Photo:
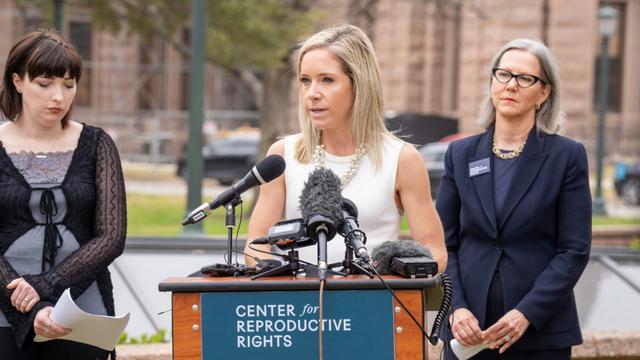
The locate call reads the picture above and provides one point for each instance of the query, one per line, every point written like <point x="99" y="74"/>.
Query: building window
<point x="151" y="58"/>
<point x="80" y="36"/>
<point x="616" y="54"/>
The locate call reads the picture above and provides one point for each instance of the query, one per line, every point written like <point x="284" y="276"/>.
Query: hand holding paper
<point x="465" y="352"/>
<point x="97" y="330"/>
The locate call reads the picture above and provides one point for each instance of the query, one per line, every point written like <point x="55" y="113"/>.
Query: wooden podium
<point x="196" y="297"/>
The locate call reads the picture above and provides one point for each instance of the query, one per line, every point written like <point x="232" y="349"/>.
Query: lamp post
<point x="607" y="22"/>
<point x="196" y="111"/>
<point x="58" y="14"/>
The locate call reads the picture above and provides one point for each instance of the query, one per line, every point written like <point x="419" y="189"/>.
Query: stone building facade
<point x="434" y="56"/>
<point x="136" y="89"/>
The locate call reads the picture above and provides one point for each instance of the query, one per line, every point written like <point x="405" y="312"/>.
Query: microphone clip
<point x="230" y="213"/>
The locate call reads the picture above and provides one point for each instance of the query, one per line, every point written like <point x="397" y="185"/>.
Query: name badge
<point x="479" y="167"/>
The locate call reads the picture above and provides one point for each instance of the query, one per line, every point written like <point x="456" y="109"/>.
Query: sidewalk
<point x="611" y="345"/>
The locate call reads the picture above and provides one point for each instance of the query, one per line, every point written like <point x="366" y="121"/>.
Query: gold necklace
<point x="356" y="159"/>
<point x="510" y="155"/>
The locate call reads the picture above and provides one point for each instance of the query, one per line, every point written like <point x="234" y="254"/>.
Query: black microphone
<point x="410" y="259"/>
<point x="404" y="257"/>
<point x="288" y="234"/>
<point x="264" y="171"/>
<point x="350" y="229"/>
<point x="321" y="208"/>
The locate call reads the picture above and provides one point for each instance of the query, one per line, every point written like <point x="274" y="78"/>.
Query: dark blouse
<point x="96" y="215"/>
<point x="503" y="175"/>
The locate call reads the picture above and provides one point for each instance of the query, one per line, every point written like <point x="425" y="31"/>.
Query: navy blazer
<point x="541" y="245"/>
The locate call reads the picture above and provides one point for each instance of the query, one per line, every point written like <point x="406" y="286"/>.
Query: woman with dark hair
<point x="62" y="202"/>
<point x="516" y="209"/>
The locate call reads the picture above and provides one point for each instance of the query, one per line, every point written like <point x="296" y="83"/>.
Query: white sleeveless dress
<point x="371" y="189"/>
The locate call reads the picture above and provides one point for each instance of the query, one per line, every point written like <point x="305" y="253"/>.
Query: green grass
<point x="161" y="216"/>
<point x="604" y="220"/>
<point x="596" y="220"/>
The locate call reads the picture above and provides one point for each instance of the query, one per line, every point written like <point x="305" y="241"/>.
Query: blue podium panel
<point x="276" y="325"/>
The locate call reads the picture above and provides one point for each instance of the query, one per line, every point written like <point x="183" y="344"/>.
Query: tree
<point x="250" y="39"/>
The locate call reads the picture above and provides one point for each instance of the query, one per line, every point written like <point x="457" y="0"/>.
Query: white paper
<point x="97" y="330"/>
<point x="465" y="352"/>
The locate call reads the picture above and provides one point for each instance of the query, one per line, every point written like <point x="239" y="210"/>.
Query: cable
<point x="238" y="231"/>
<point x="320" y="323"/>
<point x="227" y="256"/>
<point x="447" y="289"/>
<point x="447" y="297"/>
<point x="399" y="302"/>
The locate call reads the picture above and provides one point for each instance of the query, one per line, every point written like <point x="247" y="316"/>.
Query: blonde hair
<point x="549" y="119"/>
<point x="351" y="46"/>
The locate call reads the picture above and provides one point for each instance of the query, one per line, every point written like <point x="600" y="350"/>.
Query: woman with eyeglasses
<point x="516" y="209"/>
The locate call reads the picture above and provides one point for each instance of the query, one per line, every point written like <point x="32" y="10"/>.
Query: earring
<point x="537" y="107"/>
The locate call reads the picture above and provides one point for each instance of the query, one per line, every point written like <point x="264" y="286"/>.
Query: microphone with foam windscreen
<point x="407" y="258"/>
<point x="264" y="171"/>
<point x="321" y="208"/>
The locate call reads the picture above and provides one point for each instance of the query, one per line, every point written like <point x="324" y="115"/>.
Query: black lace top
<point x="96" y="215"/>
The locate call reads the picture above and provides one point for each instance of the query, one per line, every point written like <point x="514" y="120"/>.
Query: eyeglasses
<point x="523" y="80"/>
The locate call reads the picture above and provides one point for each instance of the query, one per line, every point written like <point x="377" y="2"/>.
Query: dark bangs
<point x="54" y="58"/>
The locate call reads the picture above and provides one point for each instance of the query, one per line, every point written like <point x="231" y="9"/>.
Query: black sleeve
<point x="110" y="227"/>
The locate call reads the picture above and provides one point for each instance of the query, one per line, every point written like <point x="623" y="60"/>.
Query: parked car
<point x="226" y="159"/>
<point x="433" y="156"/>
<point x="627" y="182"/>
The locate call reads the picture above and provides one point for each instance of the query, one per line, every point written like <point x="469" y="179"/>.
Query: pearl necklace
<point x="510" y="155"/>
<point x="356" y="159"/>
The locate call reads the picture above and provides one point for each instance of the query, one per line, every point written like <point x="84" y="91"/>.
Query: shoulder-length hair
<point x="549" y="119"/>
<point x="38" y="53"/>
<point x="351" y="46"/>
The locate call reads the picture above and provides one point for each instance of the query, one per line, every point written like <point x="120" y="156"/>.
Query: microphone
<point x="321" y="208"/>
<point x="266" y="170"/>
<point x="404" y="257"/>
<point x="288" y="234"/>
<point x="410" y="259"/>
<point x="351" y="231"/>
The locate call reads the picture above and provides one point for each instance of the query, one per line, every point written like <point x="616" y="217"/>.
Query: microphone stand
<point x="230" y="269"/>
<point x="322" y="229"/>
<point x="322" y="252"/>
<point x="292" y="267"/>
<point x="230" y="223"/>
<point x="351" y="266"/>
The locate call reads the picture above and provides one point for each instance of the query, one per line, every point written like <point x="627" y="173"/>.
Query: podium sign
<point x="275" y="325"/>
<point x="277" y="318"/>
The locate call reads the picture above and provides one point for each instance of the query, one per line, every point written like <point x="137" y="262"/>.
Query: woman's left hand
<point x="506" y="331"/>
<point x="45" y="327"/>
<point x="24" y="296"/>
